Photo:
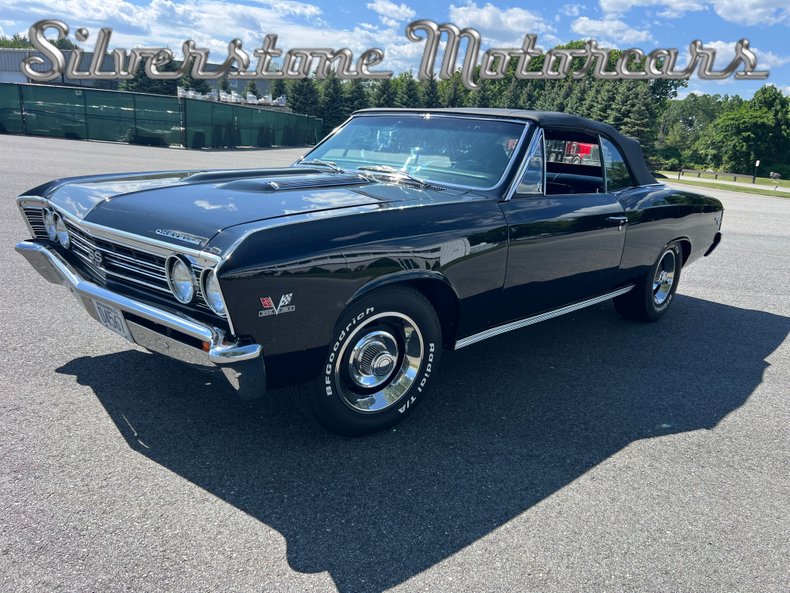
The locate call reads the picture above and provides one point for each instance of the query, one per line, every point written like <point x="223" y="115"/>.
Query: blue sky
<point x="361" y="24"/>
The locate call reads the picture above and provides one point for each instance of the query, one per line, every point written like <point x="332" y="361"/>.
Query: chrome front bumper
<point x="242" y="364"/>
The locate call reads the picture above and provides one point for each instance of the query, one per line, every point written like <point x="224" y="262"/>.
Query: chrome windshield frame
<point x="528" y="125"/>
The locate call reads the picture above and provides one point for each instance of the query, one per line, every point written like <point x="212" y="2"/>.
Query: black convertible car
<point x="403" y="233"/>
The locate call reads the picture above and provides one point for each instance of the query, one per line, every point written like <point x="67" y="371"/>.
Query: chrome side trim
<point x="56" y="270"/>
<point x="501" y="329"/>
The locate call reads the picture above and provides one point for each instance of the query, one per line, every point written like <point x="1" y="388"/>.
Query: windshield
<point x="440" y="149"/>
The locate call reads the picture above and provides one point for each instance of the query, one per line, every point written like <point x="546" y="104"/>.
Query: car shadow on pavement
<point x="509" y="422"/>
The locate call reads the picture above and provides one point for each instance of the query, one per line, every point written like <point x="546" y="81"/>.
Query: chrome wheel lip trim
<point x="663" y="280"/>
<point x="407" y="372"/>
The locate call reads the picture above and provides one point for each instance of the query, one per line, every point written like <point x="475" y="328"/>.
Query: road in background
<point x="587" y="453"/>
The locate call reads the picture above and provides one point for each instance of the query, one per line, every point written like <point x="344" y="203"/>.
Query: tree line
<point x="725" y="133"/>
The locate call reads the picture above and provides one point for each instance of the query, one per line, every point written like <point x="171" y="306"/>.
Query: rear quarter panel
<point x="658" y="214"/>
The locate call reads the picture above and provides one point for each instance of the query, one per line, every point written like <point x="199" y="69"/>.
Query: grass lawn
<point x="746" y="188"/>
<point x="741" y="180"/>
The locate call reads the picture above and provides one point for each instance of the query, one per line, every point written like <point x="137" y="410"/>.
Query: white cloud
<point x="743" y="12"/>
<point x="669" y="7"/>
<point x="391" y="11"/>
<point x="753" y="12"/>
<point x="725" y="52"/>
<point x="571" y="9"/>
<point x="612" y="29"/>
<point x="501" y="26"/>
<point x="213" y="23"/>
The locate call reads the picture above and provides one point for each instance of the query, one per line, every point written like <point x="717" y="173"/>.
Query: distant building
<point x="11" y="59"/>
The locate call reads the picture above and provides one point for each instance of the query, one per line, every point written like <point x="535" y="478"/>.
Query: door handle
<point x="620" y="220"/>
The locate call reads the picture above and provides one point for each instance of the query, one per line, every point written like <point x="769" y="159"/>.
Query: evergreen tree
<point x="430" y="92"/>
<point x="332" y="108"/>
<point x="604" y="100"/>
<point x="579" y="89"/>
<point x="278" y="88"/>
<point x="251" y="88"/>
<point x="356" y="96"/>
<point x="482" y="97"/>
<point x="224" y="84"/>
<point x="590" y="99"/>
<point x="303" y="96"/>
<point x="18" y="41"/>
<point x="637" y="119"/>
<point x="408" y="94"/>
<point x="619" y="106"/>
<point x="196" y="84"/>
<point x="140" y="83"/>
<point x="453" y="92"/>
<point x="384" y="94"/>
<point x="510" y="99"/>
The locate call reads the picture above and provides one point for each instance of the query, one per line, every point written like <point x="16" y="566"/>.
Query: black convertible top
<point x="552" y="119"/>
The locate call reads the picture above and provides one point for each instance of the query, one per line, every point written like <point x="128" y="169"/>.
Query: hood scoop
<point x="292" y="182"/>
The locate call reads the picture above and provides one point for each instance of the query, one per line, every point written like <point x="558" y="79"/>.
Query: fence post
<point x="182" y="103"/>
<point x="134" y="113"/>
<point x="22" y="109"/>
<point x="85" y="113"/>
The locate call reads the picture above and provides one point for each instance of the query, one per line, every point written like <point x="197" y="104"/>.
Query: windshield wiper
<point x="395" y="172"/>
<point x="321" y="163"/>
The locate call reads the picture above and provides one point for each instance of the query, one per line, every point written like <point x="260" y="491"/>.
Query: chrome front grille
<point x="112" y="261"/>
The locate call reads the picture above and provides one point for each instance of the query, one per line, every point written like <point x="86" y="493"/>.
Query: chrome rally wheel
<point x="384" y="350"/>
<point x="664" y="277"/>
<point x="379" y="362"/>
<point x="653" y="294"/>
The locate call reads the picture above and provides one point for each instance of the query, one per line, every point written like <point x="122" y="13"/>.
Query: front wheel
<point x="384" y="350"/>
<point x="650" y="299"/>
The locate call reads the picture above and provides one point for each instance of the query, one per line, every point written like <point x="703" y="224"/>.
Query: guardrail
<point x="94" y="114"/>
<point x="716" y="174"/>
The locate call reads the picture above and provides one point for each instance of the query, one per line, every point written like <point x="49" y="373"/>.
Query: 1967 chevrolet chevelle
<point x="403" y="233"/>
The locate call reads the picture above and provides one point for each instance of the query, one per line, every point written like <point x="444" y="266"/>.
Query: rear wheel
<point x="651" y="298"/>
<point x="383" y="352"/>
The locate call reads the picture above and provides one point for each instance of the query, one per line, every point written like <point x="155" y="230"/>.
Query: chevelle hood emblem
<point x="186" y="237"/>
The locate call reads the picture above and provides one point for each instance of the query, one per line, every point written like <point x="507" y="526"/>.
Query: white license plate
<point x="112" y="318"/>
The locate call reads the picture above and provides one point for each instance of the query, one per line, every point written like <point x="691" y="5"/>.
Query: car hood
<point x="189" y="207"/>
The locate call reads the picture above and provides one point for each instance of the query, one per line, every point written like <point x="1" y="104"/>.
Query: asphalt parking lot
<point x="587" y="453"/>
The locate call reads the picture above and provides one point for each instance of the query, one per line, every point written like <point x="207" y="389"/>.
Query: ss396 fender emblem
<point x="283" y="307"/>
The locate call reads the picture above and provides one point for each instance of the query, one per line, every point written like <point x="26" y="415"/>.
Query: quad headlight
<point x="49" y="224"/>
<point x="181" y="279"/>
<point x="62" y="232"/>
<point x="212" y="293"/>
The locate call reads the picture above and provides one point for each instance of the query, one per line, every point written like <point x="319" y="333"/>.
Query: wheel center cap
<point x="382" y="365"/>
<point x="373" y="359"/>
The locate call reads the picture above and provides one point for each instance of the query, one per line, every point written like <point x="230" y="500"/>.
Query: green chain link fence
<point x="93" y="114"/>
